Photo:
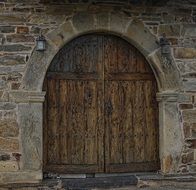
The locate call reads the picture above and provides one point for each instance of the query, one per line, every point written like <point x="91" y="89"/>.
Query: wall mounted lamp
<point x="40" y="43"/>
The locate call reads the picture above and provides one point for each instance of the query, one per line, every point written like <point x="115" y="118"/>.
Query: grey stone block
<point x="30" y="122"/>
<point x="7" y="29"/>
<point x="14" y="48"/>
<point x="12" y="59"/>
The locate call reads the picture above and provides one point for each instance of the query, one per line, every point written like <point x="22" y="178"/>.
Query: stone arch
<point x="30" y="96"/>
<point x="133" y="30"/>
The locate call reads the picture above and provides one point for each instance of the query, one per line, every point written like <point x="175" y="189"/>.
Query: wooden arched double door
<point x="100" y="112"/>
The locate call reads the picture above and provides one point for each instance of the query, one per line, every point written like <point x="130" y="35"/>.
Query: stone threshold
<point x="80" y="183"/>
<point x="101" y="181"/>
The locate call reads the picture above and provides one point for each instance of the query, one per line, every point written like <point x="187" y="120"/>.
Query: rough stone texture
<point x="22" y="70"/>
<point x="7" y="29"/>
<point x="8" y="128"/>
<point x="12" y="59"/>
<point x="8" y="166"/>
<point x="83" y="21"/>
<point x="15" y="38"/>
<point x="187" y="66"/>
<point x="30" y="121"/>
<point x="11" y="18"/>
<point x="189" y="84"/>
<point x="62" y="34"/>
<point x="171" y="135"/>
<point x="193" y="130"/>
<point x="20" y="177"/>
<point x="189" y="30"/>
<point x="135" y="30"/>
<point x="102" y="20"/>
<point x="37" y="67"/>
<point x="4" y="157"/>
<point x="119" y="22"/>
<point x="185" y="53"/>
<point x="169" y="30"/>
<point x="22" y="30"/>
<point x="187" y="130"/>
<point x="9" y="144"/>
<point x="189" y="116"/>
<point x="166" y="79"/>
<point x="14" y="48"/>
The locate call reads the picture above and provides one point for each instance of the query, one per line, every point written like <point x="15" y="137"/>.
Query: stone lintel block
<point x="20" y="177"/>
<point x="61" y="35"/>
<point x="141" y="37"/>
<point x="26" y="96"/>
<point x="8" y="166"/>
<point x="185" y="53"/>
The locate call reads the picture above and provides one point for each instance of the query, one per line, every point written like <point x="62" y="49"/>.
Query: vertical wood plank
<point x="53" y="122"/>
<point x="92" y="121"/>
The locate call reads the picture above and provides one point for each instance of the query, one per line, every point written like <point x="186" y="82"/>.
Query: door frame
<point x="29" y="98"/>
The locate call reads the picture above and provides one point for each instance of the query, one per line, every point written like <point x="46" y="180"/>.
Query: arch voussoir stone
<point x="141" y="37"/>
<point x="168" y="76"/>
<point x="83" y="22"/>
<point x="60" y="36"/>
<point x="36" y="69"/>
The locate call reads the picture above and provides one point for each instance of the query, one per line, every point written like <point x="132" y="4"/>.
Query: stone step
<point x="99" y="182"/>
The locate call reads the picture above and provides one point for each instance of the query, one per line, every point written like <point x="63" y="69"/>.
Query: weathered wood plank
<point x="100" y="108"/>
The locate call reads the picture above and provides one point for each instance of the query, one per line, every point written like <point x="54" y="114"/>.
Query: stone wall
<point x="22" y="21"/>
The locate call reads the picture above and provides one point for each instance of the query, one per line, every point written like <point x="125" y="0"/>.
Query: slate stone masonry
<point x="22" y="21"/>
